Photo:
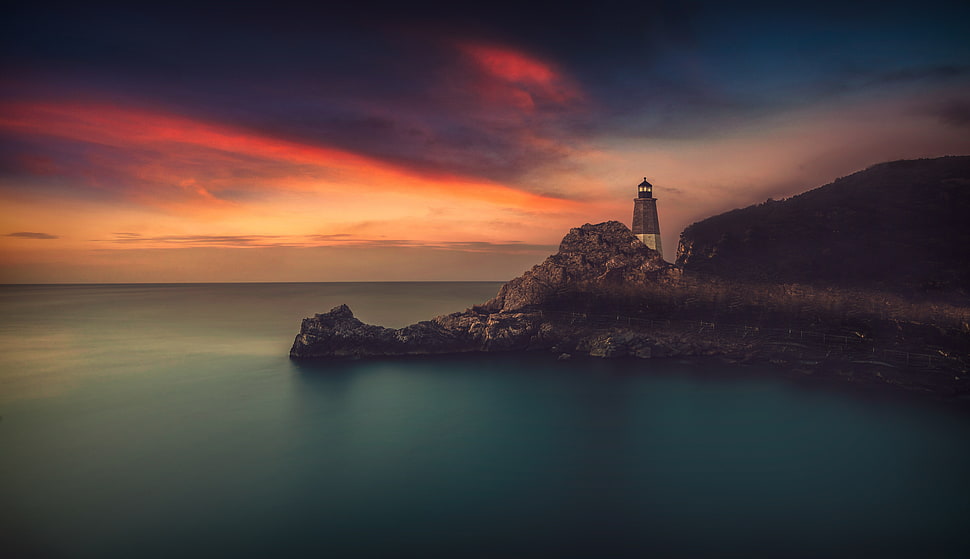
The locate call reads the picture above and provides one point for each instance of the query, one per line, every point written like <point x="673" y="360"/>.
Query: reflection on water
<point x="167" y="420"/>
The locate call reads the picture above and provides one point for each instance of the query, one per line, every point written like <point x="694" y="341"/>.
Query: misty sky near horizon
<point x="437" y="141"/>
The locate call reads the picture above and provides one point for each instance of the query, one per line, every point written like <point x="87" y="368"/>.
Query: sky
<point x="443" y="141"/>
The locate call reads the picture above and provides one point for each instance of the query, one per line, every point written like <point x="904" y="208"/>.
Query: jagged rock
<point x="591" y="257"/>
<point x="615" y="343"/>
<point x="339" y="334"/>
<point x="605" y="346"/>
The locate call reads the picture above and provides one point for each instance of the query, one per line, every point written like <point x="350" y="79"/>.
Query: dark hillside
<point x="902" y="226"/>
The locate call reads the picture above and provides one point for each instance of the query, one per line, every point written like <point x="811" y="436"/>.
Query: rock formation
<point x="542" y="310"/>
<point x="590" y="258"/>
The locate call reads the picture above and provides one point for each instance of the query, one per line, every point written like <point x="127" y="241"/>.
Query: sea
<point x="168" y="421"/>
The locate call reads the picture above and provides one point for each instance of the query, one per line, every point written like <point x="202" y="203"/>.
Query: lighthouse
<point x="646" y="226"/>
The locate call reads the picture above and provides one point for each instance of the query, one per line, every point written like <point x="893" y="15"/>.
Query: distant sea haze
<point x="168" y="421"/>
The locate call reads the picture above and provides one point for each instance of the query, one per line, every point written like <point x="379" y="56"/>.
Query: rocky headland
<point x="568" y="306"/>
<point x="591" y="258"/>
<point x="862" y="280"/>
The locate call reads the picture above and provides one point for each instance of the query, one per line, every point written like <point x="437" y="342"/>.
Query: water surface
<point x="167" y="420"/>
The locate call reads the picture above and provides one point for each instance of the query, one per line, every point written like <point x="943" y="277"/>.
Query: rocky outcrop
<point x="338" y="334"/>
<point x="590" y="258"/>
<point x="593" y="263"/>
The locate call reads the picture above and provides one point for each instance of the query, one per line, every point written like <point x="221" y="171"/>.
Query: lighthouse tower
<point x="646" y="226"/>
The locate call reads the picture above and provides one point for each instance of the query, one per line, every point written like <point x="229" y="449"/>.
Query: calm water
<point x="166" y="421"/>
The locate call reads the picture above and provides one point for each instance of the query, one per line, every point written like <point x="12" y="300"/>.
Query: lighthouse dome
<point x="645" y="189"/>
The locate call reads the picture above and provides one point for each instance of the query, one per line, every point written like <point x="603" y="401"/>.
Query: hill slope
<point x="902" y="226"/>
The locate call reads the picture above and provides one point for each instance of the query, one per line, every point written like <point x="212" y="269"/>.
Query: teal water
<point x="167" y="420"/>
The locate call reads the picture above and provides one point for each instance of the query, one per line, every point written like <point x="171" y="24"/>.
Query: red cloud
<point x="512" y="66"/>
<point x="523" y="78"/>
<point x="168" y="158"/>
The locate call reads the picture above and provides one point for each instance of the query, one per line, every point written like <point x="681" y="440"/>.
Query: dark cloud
<point x="196" y="240"/>
<point x="391" y="83"/>
<point x="954" y="113"/>
<point x="334" y="237"/>
<point x="927" y="73"/>
<point x="32" y="235"/>
<point x="510" y="247"/>
<point x="336" y="240"/>
<point x="472" y="246"/>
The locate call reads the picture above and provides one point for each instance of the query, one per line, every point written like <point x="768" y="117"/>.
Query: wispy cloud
<point x="164" y="159"/>
<point x="32" y="235"/>
<point x="919" y="74"/>
<point x="955" y="113"/>
<point x="323" y="240"/>
<point x="196" y="240"/>
<point x="463" y="246"/>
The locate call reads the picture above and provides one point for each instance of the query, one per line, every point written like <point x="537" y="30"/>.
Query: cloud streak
<point x="134" y="240"/>
<point x="32" y="235"/>
<point x="167" y="159"/>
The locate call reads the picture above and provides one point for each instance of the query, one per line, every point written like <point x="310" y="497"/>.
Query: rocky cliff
<point x="899" y="226"/>
<point x="591" y="258"/>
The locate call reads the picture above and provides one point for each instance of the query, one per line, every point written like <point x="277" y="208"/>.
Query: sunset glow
<point x="432" y="146"/>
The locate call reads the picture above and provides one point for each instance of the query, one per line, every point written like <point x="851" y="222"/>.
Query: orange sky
<point x="125" y="189"/>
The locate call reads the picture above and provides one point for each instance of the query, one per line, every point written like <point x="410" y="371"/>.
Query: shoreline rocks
<point x="338" y="334"/>
<point x="592" y="257"/>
